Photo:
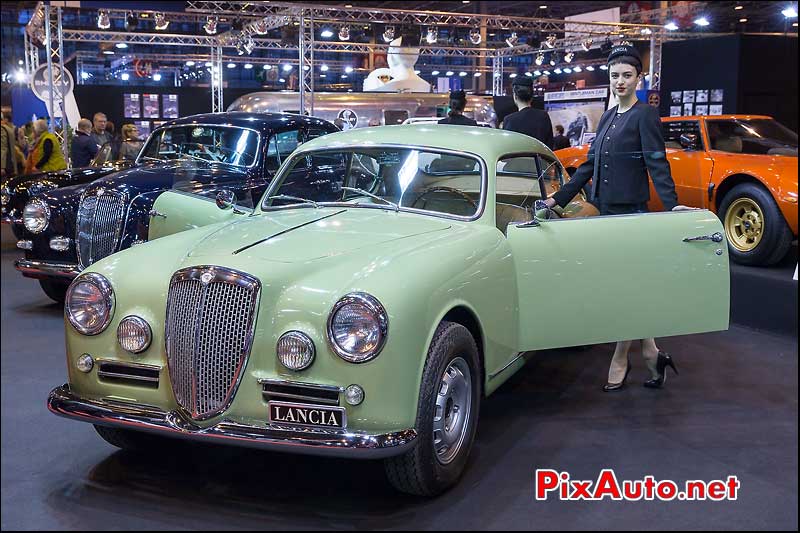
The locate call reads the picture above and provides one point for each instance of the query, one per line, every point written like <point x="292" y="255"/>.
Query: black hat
<point x="625" y="50"/>
<point x="458" y="95"/>
<point x="523" y="81"/>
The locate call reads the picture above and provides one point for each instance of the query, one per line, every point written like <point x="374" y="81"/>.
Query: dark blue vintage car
<point x="236" y="154"/>
<point x="17" y="190"/>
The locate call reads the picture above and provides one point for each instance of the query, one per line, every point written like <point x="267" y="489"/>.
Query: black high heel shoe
<point x="608" y="387"/>
<point x="664" y="361"/>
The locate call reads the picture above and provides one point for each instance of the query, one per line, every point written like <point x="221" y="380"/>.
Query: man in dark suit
<point x="530" y="121"/>
<point x="560" y="141"/>
<point x="83" y="148"/>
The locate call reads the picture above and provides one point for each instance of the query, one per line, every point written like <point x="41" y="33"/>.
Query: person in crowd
<point x="8" y="141"/>
<point x="458" y="101"/>
<point x="45" y="154"/>
<point x="83" y="148"/>
<point x="131" y="143"/>
<point x="629" y="145"/>
<point x="530" y="121"/>
<point x="99" y="133"/>
<point x="560" y="141"/>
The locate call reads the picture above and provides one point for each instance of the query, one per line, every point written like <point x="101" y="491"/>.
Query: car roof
<point x="488" y="143"/>
<point x="716" y="117"/>
<point x="251" y="120"/>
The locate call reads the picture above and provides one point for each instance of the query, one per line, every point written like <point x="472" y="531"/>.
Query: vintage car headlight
<point x="5" y="195"/>
<point x="357" y="327"/>
<point x="134" y="334"/>
<point x="36" y="215"/>
<point x="90" y="303"/>
<point x="295" y="350"/>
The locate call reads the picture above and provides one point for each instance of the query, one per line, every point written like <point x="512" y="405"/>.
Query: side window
<point x="314" y="132"/>
<point x="674" y="130"/>
<point x="280" y="146"/>
<point x="518" y="186"/>
<point x="725" y="136"/>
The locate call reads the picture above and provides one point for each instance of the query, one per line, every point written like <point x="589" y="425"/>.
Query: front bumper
<point x="47" y="269"/>
<point x="65" y="403"/>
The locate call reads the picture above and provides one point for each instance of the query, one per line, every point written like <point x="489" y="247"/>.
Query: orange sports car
<point x="742" y="167"/>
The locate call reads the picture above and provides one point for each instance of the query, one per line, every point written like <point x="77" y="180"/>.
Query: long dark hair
<point x="457" y="105"/>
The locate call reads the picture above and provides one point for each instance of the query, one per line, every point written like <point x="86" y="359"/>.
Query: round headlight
<point x="90" y="303"/>
<point x="357" y="327"/>
<point x="295" y="350"/>
<point x="5" y="195"/>
<point x="36" y="215"/>
<point x="133" y="334"/>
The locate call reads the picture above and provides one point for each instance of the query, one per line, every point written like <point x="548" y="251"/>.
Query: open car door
<point x="610" y="278"/>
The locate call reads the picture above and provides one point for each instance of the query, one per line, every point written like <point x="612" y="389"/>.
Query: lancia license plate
<point x="298" y="414"/>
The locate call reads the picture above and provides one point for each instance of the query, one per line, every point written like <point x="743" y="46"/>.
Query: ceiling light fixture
<point x="103" y="20"/>
<point x="161" y="21"/>
<point x="568" y="57"/>
<point x="475" y="36"/>
<point x="702" y="22"/>
<point x="388" y="34"/>
<point x="587" y="44"/>
<point x="539" y="58"/>
<point x="671" y="26"/>
<point x="261" y="27"/>
<point x="344" y="33"/>
<point x="211" y="25"/>
<point x="790" y="12"/>
<point x="513" y="40"/>
<point x="550" y="42"/>
<point x="432" y="35"/>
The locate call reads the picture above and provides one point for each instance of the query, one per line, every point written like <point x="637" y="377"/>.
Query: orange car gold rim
<point x="744" y="224"/>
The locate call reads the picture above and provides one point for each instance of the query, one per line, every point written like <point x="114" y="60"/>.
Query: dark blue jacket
<point x="83" y="149"/>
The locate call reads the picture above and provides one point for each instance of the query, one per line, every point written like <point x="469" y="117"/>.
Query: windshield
<point x="217" y="144"/>
<point x="756" y="136"/>
<point x="389" y="178"/>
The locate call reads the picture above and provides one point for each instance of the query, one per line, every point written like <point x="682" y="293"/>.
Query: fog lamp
<point x="354" y="395"/>
<point x="85" y="363"/>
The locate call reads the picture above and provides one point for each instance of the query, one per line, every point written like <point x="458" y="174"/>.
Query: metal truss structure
<point x="56" y="73"/>
<point x="217" y="104"/>
<point x="497" y="75"/>
<point x="306" y="41"/>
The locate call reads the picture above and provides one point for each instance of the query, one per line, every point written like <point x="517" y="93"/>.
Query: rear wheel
<point x="447" y="415"/>
<point x="754" y="225"/>
<point x="55" y="290"/>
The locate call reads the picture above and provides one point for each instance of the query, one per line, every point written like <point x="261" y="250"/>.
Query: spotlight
<point x="577" y="68"/>
<point x="161" y="21"/>
<point x="568" y="57"/>
<point x="287" y="67"/>
<point x="267" y="67"/>
<point x="539" y="58"/>
<point x="477" y="75"/>
<point x="475" y="36"/>
<point x="211" y="25"/>
<point x="248" y="66"/>
<point x="249" y="45"/>
<point x="231" y="65"/>
<point x="435" y="73"/>
<point x="587" y="44"/>
<point x="348" y="69"/>
<point x="557" y="70"/>
<point x="462" y="73"/>
<point x="449" y="73"/>
<point x="603" y="67"/>
<point x="568" y="70"/>
<point x="702" y="22"/>
<point x="513" y="40"/>
<point x="789" y="12"/>
<point x="590" y="68"/>
<point x="84" y="76"/>
<point x="261" y="27"/>
<point x="131" y="21"/>
<point x="326" y="33"/>
<point x="191" y="63"/>
<point x="529" y="74"/>
<point x="550" y="42"/>
<point x="431" y="37"/>
<point x="388" y="34"/>
<point x="671" y="26"/>
<point x="122" y="46"/>
<point x="646" y="31"/>
<point x="125" y="76"/>
<point x="546" y="72"/>
<point x="512" y="75"/>
<point x="103" y="21"/>
<point x="554" y="59"/>
<point x="344" y="33"/>
<point x="156" y="77"/>
<point x="537" y="73"/>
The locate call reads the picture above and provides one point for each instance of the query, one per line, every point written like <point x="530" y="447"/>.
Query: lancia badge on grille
<point x="207" y="277"/>
<point x="100" y="191"/>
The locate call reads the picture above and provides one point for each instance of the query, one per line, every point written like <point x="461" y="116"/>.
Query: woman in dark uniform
<point x="629" y="145"/>
<point x="458" y="101"/>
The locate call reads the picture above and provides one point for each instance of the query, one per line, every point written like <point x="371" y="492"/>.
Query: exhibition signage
<point x="584" y="94"/>
<point x="41" y="85"/>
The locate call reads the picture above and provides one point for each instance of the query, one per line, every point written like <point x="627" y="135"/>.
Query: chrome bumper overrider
<point x="47" y="269"/>
<point x="173" y="423"/>
<point x="10" y="220"/>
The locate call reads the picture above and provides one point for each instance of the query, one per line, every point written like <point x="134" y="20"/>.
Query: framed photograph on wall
<point x="150" y="105"/>
<point x="688" y="109"/>
<point x="717" y="95"/>
<point x="675" y="110"/>
<point x="133" y="105"/>
<point x="702" y="96"/>
<point x="715" y="109"/>
<point x="676" y="97"/>
<point x="144" y="128"/>
<point x="169" y="106"/>
<point x="688" y="97"/>
<point x="701" y="109"/>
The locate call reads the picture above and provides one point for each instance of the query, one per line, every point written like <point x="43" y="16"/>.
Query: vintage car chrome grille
<point x="100" y="217"/>
<point x="209" y="333"/>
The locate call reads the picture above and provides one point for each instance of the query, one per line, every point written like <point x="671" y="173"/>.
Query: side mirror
<point x="690" y="141"/>
<point x="225" y="199"/>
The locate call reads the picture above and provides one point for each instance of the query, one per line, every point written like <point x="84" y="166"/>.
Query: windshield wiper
<point x="152" y="158"/>
<point x="365" y="193"/>
<point x="287" y="197"/>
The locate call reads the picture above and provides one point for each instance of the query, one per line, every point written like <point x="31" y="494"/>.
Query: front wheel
<point x="55" y="290"/>
<point x="754" y="225"/>
<point x="447" y="415"/>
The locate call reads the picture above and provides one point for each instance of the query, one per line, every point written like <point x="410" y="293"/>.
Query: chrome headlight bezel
<point x="379" y="315"/>
<point x="43" y="208"/>
<point x="302" y="339"/>
<point x="5" y="195"/>
<point x="143" y="326"/>
<point x="106" y="291"/>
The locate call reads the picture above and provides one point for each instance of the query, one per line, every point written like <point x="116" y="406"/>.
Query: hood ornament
<point x="207" y="277"/>
<point x="100" y="191"/>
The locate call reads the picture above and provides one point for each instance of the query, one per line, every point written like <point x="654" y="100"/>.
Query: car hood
<point x="181" y="175"/>
<point x="306" y="234"/>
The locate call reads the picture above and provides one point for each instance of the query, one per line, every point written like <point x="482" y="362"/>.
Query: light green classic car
<point x="390" y="280"/>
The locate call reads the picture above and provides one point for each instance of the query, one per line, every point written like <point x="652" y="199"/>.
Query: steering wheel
<point x="451" y="190"/>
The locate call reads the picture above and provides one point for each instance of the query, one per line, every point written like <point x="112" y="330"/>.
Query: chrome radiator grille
<point x="99" y="225"/>
<point x="209" y="332"/>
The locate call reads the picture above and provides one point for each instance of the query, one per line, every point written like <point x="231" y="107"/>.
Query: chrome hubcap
<point x="452" y="412"/>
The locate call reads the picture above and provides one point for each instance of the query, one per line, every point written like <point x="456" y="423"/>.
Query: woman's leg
<point x="650" y="355"/>
<point x="619" y="362"/>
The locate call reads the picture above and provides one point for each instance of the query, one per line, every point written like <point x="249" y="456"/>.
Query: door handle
<point x="716" y="237"/>
<point x="153" y="213"/>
